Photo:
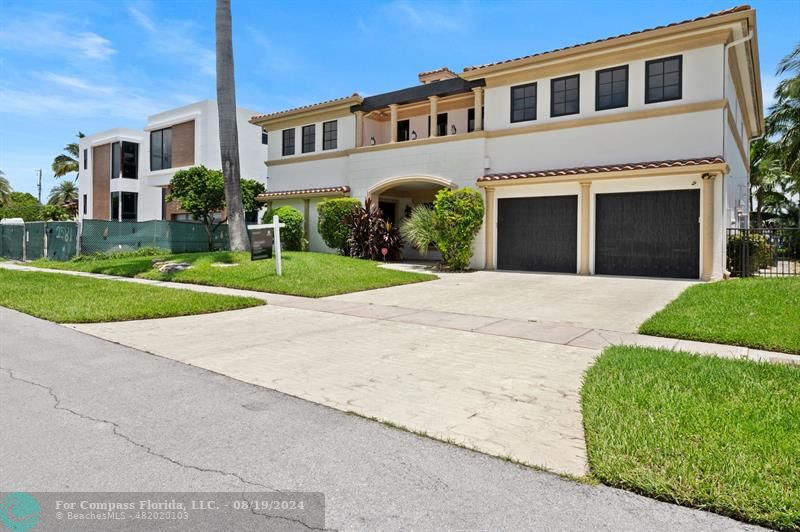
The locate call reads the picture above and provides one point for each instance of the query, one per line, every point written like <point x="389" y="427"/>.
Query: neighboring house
<point x="125" y="173"/>
<point x="627" y="155"/>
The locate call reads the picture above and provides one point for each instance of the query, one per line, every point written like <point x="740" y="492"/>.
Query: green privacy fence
<point x="34" y="240"/>
<point x="102" y="236"/>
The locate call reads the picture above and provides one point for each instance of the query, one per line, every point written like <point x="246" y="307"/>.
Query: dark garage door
<point x="654" y="234"/>
<point x="538" y="234"/>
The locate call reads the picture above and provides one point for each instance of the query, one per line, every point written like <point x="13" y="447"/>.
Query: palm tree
<point x="67" y="162"/>
<point x="228" y="136"/>
<point x="5" y="189"/>
<point x="63" y="194"/>
<point x="784" y="115"/>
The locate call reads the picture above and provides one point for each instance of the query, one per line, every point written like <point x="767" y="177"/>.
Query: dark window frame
<point x="403" y="124"/>
<point x="647" y="87"/>
<point x="553" y="81"/>
<point x="85" y="158"/>
<point x="129" y="170"/>
<point x="125" y="216"/>
<point x="308" y="139"/>
<point x="264" y="137"/>
<point x="161" y="159"/>
<point x="611" y="70"/>
<point x="288" y="148"/>
<point x="85" y="203"/>
<point x="535" y="97"/>
<point x="470" y="119"/>
<point x="330" y="137"/>
<point x="114" y="205"/>
<point x="441" y="124"/>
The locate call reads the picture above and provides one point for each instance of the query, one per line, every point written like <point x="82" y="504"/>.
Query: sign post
<point x="264" y="238"/>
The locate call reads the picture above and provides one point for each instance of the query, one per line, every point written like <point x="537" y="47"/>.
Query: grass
<point x="304" y="273"/>
<point x="753" y="312"/>
<point x="717" y="434"/>
<point x="72" y="299"/>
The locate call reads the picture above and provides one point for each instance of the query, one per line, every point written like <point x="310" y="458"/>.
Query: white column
<point x="434" y="112"/>
<point x="478" y="92"/>
<point x="393" y="123"/>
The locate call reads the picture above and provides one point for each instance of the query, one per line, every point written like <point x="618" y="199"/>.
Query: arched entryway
<point x="397" y="196"/>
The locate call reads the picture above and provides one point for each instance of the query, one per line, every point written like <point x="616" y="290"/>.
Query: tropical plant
<point x="371" y="236"/>
<point x="459" y="215"/>
<point x="783" y="120"/>
<point x="5" y="189"/>
<point x="65" y="193"/>
<point x="250" y="191"/>
<point x="67" y="162"/>
<point x="292" y="236"/>
<point x="228" y="135"/>
<point x="420" y="228"/>
<point x="331" y="224"/>
<point x="23" y="199"/>
<point x="200" y="192"/>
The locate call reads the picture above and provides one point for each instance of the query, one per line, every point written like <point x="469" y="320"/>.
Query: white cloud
<point x="142" y="19"/>
<point x="429" y="18"/>
<point x="273" y="57"/>
<point x="77" y="84"/>
<point x="45" y="34"/>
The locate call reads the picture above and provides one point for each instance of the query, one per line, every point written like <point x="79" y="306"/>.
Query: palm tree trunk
<point x="228" y="134"/>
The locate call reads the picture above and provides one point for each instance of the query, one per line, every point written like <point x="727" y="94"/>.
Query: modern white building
<point x="125" y="173"/>
<point x="627" y="155"/>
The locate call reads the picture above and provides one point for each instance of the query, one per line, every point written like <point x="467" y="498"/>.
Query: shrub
<point x="760" y="253"/>
<point x="420" y="229"/>
<point x="35" y="213"/>
<point x="331" y="225"/>
<point x="370" y="234"/>
<point x="292" y="237"/>
<point x="145" y="251"/>
<point x="459" y="215"/>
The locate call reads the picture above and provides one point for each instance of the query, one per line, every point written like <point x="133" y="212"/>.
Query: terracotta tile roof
<point x="434" y="71"/>
<point x="586" y="170"/>
<point x="322" y="191"/>
<point x="711" y="15"/>
<point x="355" y="97"/>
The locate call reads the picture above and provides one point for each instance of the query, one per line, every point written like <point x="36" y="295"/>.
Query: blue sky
<point x="69" y="65"/>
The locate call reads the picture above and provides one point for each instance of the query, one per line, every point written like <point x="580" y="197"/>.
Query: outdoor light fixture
<point x="372" y="141"/>
<point x="413" y="135"/>
<point x="452" y="130"/>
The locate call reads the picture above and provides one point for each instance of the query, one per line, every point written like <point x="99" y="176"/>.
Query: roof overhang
<point x="304" y="193"/>
<point x="712" y="165"/>
<point x="309" y="113"/>
<point x="447" y="87"/>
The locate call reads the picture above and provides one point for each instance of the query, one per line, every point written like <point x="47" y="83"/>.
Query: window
<point x="130" y="202"/>
<point x="309" y="138"/>
<point x="523" y="102"/>
<point x="115" y="205"/>
<point x="612" y="88"/>
<point x="85" y="159"/>
<point x="288" y="142"/>
<point x="85" y="197"/>
<point x="564" y="95"/>
<point x="264" y="137"/>
<point x="663" y="79"/>
<point x="161" y="149"/>
<point x="329" y="134"/>
<point x="116" y="159"/>
<point x="470" y="119"/>
<point x="441" y="125"/>
<point x="130" y="160"/>
<point x="403" y="130"/>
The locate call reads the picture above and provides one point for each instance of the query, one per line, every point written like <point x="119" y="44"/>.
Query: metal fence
<point x="179" y="237"/>
<point x="764" y="252"/>
<point x="35" y="240"/>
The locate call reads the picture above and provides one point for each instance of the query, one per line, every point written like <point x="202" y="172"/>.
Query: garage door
<point x="538" y="234"/>
<point x="654" y="234"/>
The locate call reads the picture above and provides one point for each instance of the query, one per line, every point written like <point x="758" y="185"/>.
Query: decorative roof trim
<point x="345" y="101"/>
<point x="733" y="10"/>
<point x="601" y="169"/>
<point x="304" y="193"/>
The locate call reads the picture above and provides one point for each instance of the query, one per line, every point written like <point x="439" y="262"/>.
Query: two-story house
<point x="627" y="155"/>
<point x="125" y="173"/>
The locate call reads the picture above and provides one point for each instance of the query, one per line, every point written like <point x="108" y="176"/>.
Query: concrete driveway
<point x="595" y="302"/>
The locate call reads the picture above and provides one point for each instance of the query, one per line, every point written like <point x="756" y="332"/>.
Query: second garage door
<point x="655" y="234"/>
<point x="538" y="234"/>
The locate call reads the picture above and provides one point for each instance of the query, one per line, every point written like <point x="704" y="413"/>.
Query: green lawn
<point x="753" y="312"/>
<point x="72" y="299"/>
<point x="718" y="434"/>
<point x="304" y="273"/>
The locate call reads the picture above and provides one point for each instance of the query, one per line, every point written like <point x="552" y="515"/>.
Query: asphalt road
<point x="82" y="414"/>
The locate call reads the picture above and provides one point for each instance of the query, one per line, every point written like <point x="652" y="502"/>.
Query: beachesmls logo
<point x="19" y="512"/>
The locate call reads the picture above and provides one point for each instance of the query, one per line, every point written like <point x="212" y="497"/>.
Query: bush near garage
<point x="760" y="253"/>
<point x="292" y="237"/>
<point x="370" y="234"/>
<point x="459" y="216"/>
<point x="331" y="225"/>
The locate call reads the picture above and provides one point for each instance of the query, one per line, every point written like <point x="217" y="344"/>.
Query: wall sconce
<point x="413" y="135"/>
<point x="372" y="141"/>
<point x="452" y="130"/>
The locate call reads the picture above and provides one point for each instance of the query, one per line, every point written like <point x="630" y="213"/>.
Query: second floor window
<point x="309" y="138"/>
<point x="161" y="149"/>
<point x="565" y="96"/>
<point x="403" y="130"/>
<point x="612" y="88"/>
<point x="288" y="142"/>
<point x="264" y="137"/>
<point x="85" y="159"/>
<point x="663" y="79"/>
<point x="130" y="160"/>
<point x="441" y="125"/>
<point x="523" y="102"/>
<point x="329" y="135"/>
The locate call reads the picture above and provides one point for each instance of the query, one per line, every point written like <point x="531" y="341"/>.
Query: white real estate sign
<point x="276" y="243"/>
